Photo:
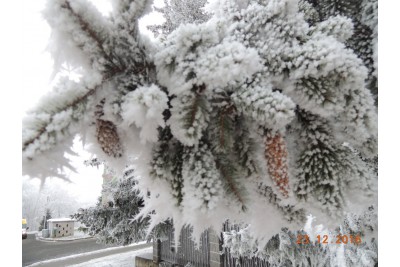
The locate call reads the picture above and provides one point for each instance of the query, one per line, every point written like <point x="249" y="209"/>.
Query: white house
<point x="61" y="227"/>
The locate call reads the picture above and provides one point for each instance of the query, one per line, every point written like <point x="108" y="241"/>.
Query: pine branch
<point x="246" y="147"/>
<point x="85" y="26"/>
<point x="194" y="110"/>
<point x="227" y="173"/>
<point x="176" y="171"/>
<point x="167" y="162"/>
<point x="198" y="92"/>
<point x="326" y="167"/>
<point x="266" y="107"/>
<point x="71" y="105"/>
<point x="223" y="121"/>
<point x="189" y="117"/>
<point x="289" y="211"/>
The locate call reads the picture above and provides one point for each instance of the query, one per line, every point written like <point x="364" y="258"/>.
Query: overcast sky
<point x="37" y="70"/>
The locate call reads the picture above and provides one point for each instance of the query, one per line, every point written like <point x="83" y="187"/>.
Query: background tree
<point x="113" y="222"/>
<point x="255" y="114"/>
<point x="37" y="199"/>
<point x="43" y="222"/>
<point x="177" y="12"/>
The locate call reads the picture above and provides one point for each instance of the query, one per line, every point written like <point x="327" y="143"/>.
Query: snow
<point x="77" y="235"/>
<point x="203" y="186"/>
<point x="183" y="107"/>
<point x="61" y="220"/>
<point x="264" y="106"/>
<point x="119" y="259"/>
<point x="126" y="259"/>
<point x="145" y="107"/>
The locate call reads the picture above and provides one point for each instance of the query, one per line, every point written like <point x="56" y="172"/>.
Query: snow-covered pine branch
<point x="261" y="112"/>
<point x="364" y="40"/>
<point x="73" y="107"/>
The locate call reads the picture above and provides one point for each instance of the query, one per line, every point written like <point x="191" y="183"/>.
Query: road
<point x="36" y="250"/>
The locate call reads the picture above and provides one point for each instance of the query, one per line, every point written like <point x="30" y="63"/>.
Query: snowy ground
<point x="118" y="259"/>
<point x="77" y="235"/>
<point x="126" y="259"/>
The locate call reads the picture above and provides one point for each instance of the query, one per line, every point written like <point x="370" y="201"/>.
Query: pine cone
<point x="107" y="134"/>
<point x="276" y="156"/>
<point x="108" y="138"/>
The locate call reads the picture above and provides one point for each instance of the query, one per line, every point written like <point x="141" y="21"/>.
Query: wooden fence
<point x="186" y="251"/>
<point x="229" y="260"/>
<point x="187" y="254"/>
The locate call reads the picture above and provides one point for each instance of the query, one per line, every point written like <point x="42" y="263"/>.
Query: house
<point x="60" y="227"/>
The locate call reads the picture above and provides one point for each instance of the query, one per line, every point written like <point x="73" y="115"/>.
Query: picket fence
<point x="187" y="254"/>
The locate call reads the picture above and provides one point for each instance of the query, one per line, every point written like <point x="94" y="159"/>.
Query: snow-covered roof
<point x="61" y="220"/>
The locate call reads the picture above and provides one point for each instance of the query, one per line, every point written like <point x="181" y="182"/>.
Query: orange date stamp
<point x="326" y="239"/>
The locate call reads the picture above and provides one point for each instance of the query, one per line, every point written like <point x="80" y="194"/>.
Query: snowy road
<point x="34" y="251"/>
<point x="119" y="259"/>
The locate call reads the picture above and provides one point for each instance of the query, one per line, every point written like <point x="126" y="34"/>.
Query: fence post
<point x="156" y="251"/>
<point x="216" y="259"/>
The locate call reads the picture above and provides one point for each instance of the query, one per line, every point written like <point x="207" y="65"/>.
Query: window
<point x="67" y="224"/>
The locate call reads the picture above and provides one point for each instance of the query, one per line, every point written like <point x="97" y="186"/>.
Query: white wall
<point x="62" y="228"/>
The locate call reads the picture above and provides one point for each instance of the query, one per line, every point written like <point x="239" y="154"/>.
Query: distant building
<point x="61" y="227"/>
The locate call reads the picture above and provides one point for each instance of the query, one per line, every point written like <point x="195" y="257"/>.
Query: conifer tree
<point x="177" y="12"/>
<point x="112" y="222"/>
<point x="259" y="114"/>
<point x="43" y="222"/>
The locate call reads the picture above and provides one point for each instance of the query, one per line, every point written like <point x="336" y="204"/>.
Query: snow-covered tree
<point x="54" y="196"/>
<point x="260" y="114"/>
<point x="43" y="222"/>
<point x="177" y="12"/>
<point x="112" y="222"/>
